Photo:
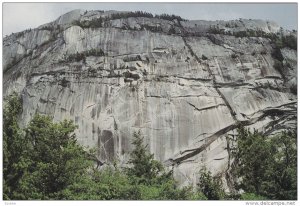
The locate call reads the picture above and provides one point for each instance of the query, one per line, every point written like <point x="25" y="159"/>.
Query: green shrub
<point x="204" y="57"/>
<point x="234" y="55"/>
<point x="169" y="17"/>
<point x="293" y="89"/>
<point x="273" y="174"/>
<point x="210" y="186"/>
<point x="278" y="66"/>
<point x="82" y="56"/>
<point x="252" y="196"/>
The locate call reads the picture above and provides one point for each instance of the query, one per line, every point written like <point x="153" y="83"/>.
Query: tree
<point x="14" y="145"/>
<point x="54" y="159"/>
<point x="266" y="166"/>
<point x="145" y="169"/>
<point x="282" y="171"/>
<point x="252" y="170"/>
<point x="210" y="186"/>
<point x="151" y="179"/>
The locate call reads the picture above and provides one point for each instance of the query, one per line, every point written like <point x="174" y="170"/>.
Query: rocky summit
<point x="186" y="85"/>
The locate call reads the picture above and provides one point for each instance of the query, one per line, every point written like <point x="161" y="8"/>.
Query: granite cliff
<point x="186" y="85"/>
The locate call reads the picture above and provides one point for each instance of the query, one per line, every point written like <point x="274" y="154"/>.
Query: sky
<point x="20" y="16"/>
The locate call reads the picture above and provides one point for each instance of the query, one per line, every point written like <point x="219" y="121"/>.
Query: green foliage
<point x="278" y="58"/>
<point x="82" y="56"/>
<point x="234" y="55"/>
<point x="132" y="58"/>
<point x="152" y="181"/>
<point x="252" y="170"/>
<point x="263" y="52"/>
<point x="169" y="17"/>
<point x="154" y="28"/>
<point x="104" y="22"/>
<point x="290" y="41"/>
<point x="107" y="184"/>
<point x="293" y="89"/>
<point x="101" y="22"/>
<point x="278" y="66"/>
<point x="94" y="52"/>
<point x="54" y="160"/>
<point x="210" y="186"/>
<point x="276" y="54"/>
<point x="44" y="160"/>
<point x="131" y="14"/>
<point x="241" y="34"/>
<point x="144" y="168"/>
<point x="76" y="57"/>
<point x="204" y="57"/>
<point x="131" y="75"/>
<point x="133" y="184"/>
<point x="94" y="23"/>
<point x="282" y="171"/>
<point x="195" y="195"/>
<point x="280" y="40"/>
<point x="172" y="30"/>
<point x="267" y="166"/>
<point x="251" y="196"/>
<point x="14" y="145"/>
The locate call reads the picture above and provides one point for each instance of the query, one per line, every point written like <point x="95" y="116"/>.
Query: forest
<point x="43" y="161"/>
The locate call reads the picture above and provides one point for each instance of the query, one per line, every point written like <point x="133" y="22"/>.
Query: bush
<point x="204" y="57"/>
<point x="276" y="53"/>
<point x="106" y="184"/>
<point x="82" y="56"/>
<point x="210" y="186"/>
<point x="128" y="74"/>
<point x="278" y="66"/>
<point x="290" y="41"/>
<point x="293" y="89"/>
<point x="263" y="52"/>
<point x="169" y="17"/>
<point x="234" y="55"/>
<point x="172" y="30"/>
<point x="152" y="28"/>
<point x="132" y="58"/>
<point x="94" y="23"/>
<point x="251" y="196"/>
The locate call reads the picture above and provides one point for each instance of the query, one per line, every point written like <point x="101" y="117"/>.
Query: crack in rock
<point x="205" y="108"/>
<point x="214" y="137"/>
<point x="233" y="114"/>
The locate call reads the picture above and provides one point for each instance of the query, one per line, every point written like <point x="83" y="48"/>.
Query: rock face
<point x="185" y="88"/>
